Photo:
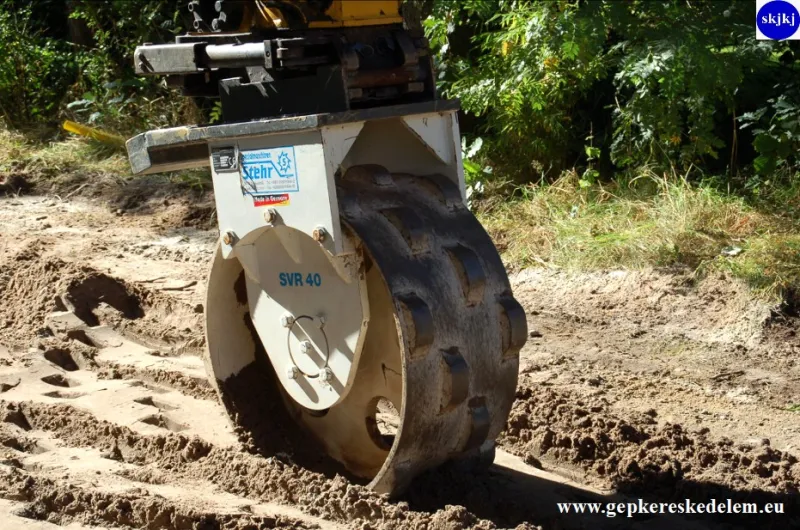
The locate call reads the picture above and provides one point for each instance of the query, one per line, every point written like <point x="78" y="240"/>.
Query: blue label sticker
<point x="268" y="171"/>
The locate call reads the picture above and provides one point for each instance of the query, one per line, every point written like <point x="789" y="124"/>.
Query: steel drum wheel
<point x="442" y="344"/>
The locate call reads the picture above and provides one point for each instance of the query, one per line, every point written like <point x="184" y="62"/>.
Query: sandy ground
<point x="633" y="384"/>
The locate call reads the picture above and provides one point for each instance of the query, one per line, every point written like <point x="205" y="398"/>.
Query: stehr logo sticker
<point x="269" y="171"/>
<point x="778" y="19"/>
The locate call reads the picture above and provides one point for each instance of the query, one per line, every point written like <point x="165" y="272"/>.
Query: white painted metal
<point x="229" y="343"/>
<point x="342" y="429"/>
<point x="440" y="134"/>
<point x="310" y="314"/>
<point x="313" y="205"/>
<point x="420" y="144"/>
<point x="276" y="236"/>
<point x="416" y="144"/>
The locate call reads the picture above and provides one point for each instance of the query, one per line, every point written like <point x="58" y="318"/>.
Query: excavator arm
<point x="270" y="58"/>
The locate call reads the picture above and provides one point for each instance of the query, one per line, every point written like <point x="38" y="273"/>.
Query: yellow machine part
<point x="262" y="16"/>
<point x="349" y="13"/>
<point x="340" y="14"/>
<point x="96" y="134"/>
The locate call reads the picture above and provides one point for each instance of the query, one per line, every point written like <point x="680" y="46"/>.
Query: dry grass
<point x="75" y="161"/>
<point x="650" y="221"/>
<point x="19" y="152"/>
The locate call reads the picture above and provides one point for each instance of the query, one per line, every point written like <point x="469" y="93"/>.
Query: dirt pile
<point x="638" y="454"/>
<point x="176" y="202"/>
<point x="199" y="388"/>
<point x="32" y="285"/>
<point x="62" y="503"/>
<point x="674" y="303"/>
<point x="200" y="214"/>
<point x="267" y="479"/>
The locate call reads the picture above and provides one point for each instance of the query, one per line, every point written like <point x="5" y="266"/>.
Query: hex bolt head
<point x="292" y="372"/>
<point x="325" y="375"/>
<point x="228" y="238"/>
<point x="305" y="347"/>
<point x="287" y="320"/>
<point x="270" y="215"/>
<point x="320" y="234"/>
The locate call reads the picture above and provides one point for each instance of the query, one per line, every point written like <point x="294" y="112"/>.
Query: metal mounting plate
<point x="179" y="148"/>
<point x="284" y="175"/>
<point x="297" y="295"/>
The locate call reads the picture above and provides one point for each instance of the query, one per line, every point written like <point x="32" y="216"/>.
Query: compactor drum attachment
<point x="355" y="307"/>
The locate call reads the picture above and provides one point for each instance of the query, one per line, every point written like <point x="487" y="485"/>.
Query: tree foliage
<point x="74" y="59"/>
<point x="602" y="86"/>
<point x="35" y="72"/>
<point x="664" y="84"/>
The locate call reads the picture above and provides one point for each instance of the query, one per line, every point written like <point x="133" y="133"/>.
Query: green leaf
<point x="570" y="49"/>
<point x="592" y="153"/>
<point x="471" y="167"/>
<point x="764" y="164"/>
<point x="765" y="144"/>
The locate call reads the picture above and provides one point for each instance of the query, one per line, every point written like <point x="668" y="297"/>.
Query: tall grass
<point x="647" y="221"/>
<point x="19" y="152"/>
<point x="74" y="161"/>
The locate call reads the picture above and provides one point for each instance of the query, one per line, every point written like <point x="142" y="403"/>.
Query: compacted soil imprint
<point x="633" y="384"/>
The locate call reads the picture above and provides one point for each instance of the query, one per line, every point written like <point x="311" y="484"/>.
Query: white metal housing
<point x="279" y="216"/>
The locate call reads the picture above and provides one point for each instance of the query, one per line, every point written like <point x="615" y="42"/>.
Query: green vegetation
<point x="72" y="59"/>
<point x="651" y="221"/>
<point x="597" y="134"/>
<point x="21" y="155"/>
<point x="607" y="86"/>
<point x="628" y="134"/>
<point x="71" y="164"/>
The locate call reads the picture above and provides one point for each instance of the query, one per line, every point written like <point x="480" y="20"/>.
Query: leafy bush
<point x="777" y="134"/>
<point x="45" y="76"/>
<point x="656" y="84"/>
<point x="108" y="92"/>
<point x="35" y="71"/>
